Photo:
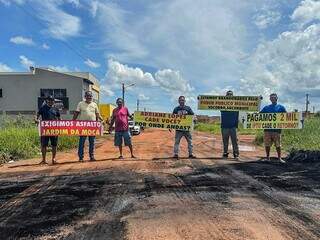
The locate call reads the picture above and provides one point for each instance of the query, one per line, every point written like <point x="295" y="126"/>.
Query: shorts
<point x="45" y="141"/>
<point x="272" y="137"/>
<point x="125" y="135"/>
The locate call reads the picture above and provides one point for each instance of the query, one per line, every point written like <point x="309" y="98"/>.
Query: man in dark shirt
<point x="182" y="109"/>
<point x="229" y="125"/>
<point x="48" y="112"/>
<point x="273" y="135"/>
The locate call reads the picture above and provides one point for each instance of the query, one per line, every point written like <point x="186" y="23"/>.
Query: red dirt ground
<point x="157" y="197"/>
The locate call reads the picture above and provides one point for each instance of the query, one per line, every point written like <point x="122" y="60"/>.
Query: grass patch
<point x="307" y="138"/>
<point x="19" y="139"/>
<point x="215" y="128"/>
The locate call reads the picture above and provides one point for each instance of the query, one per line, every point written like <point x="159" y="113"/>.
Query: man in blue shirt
<point x="229" y="125"/>
<point x="48" y="112"/>
<point x="273" y="136"/>
<point x="182" y="109"/>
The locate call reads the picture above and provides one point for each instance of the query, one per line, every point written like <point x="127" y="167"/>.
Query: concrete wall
<point x="21" y="91"/>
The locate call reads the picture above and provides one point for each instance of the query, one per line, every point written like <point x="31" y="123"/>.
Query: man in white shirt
<point x="89" y="111"/>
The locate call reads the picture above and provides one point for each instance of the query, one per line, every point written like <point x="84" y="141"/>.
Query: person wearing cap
<point x="120" y="117"/>
<point x="48" y="112"/>
<point x="87" y="111"/>
<point x="229" y="125"/>
<point x="182" y="109"/>
<point x="273" y="136"/>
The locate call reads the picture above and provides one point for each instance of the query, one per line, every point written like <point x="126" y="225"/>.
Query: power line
<point x="65" y="43"/>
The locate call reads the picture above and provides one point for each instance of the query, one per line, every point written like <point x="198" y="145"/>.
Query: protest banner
<point x="229" y="103"/>
<point x="164" y="120"/>
<point x="291" y="120"/>
<point x="70" y="128"/>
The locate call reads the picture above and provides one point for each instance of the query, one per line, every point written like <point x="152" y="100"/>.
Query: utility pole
<point x="138" y="103"/>
<point x="123" y="90"/>
<point x="314" y="109"/>
<point x="144" y="110"/>
<point x="123" y="93"/>
<point x="307" y="104"/>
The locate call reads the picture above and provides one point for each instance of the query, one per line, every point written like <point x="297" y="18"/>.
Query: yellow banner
<point x="291" y="120"/>
<point x="229" y="103"/>
<point x="163" y="120"/>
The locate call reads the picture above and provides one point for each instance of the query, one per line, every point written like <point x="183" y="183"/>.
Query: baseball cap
<point x="50" y="98"/>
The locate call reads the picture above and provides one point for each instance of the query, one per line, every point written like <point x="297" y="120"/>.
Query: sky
<point x="168" y="48"/>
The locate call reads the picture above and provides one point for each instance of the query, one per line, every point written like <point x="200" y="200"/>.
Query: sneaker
<point x="80" y="159"/>
<point x="132" y="156"/>
<point x="92" y="159"/>
<point x="236" y="156"/>
<point x="192" y="156"/>
<point x="175" y="156"/>
<point x="120" y="157"/>
<point x="280" y="160"/>
<point x="225" y="155"/>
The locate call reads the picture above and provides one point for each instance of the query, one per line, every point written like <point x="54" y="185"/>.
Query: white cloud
<point x="5" y="68"/>
<point x="143" y="97"/>
<point x="20" y="40"/>
<point x="5" y="2"/>
<point x="106" y="90"/>
<point x="94" y="8"/>
<point x="288" y="65"/>
<point x="308" y="11"/>
<point x="170" y="82"/>
<point x="168" y="36"/>
<point x="75" y="3"/>
<point x="92" y="64"/>
<point x="8" y="2"/>
<point x="60" y="68"/>
<point x="119" y="73"/>
<point x="25" y="62"/>
<point x="45" y="46"/>
<point x="59" y="24"/>
<point x="266" y="18"/>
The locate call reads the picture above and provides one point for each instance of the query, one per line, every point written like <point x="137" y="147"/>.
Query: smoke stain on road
<point x="205" y="198"/>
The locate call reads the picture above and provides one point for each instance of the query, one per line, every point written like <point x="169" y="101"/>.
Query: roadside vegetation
<point x="307" y="138"/>
<point x="215" y="128"/>
<point x="19" y="139"/>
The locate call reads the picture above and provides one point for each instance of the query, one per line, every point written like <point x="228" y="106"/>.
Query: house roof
<point x="83" y="75"/>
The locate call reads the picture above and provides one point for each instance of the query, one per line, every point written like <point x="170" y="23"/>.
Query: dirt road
<point x="156" y="197"/>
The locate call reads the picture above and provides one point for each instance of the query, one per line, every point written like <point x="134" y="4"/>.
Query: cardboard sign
<point x="291" y="120"/>
<point x="229" y="103"/>
<point x="70" y="128"/>
<point x="164" y="120"/>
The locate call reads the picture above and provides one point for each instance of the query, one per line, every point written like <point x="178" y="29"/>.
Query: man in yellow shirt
<point x="89" y="111"/>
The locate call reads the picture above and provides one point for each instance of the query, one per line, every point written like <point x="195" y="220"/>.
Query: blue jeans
<point x="82" y="140"/>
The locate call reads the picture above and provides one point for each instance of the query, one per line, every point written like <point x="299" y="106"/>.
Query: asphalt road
<point x="157" y="197"/>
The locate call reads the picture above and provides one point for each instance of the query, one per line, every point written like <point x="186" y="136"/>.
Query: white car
<point x="134" y="129"/>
